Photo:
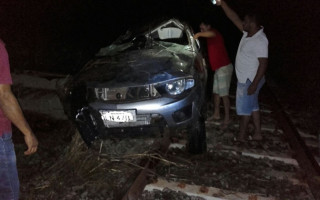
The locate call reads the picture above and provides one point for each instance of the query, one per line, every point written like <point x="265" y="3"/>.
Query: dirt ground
<point x="64" y="168"/>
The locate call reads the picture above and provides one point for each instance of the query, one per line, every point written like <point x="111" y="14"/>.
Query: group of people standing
<point x="250" y="66"/>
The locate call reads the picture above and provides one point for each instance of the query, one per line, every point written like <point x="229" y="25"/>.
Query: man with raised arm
<point x="251" y="64"/>
<point x="10" y="111"/>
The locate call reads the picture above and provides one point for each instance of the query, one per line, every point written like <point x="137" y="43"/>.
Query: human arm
<point x="11" y="108"/>
<point x="205" y="34"/>
<point x="231" y="14"/>
<point x="263" y="63"/>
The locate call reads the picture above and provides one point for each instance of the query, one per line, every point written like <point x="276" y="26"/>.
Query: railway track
<point x="281" y="166"/>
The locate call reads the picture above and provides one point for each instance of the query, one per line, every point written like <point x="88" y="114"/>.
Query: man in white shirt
<point x="251" y="64"/>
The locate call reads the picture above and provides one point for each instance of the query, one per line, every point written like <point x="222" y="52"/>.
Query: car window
<point x="170" y="33"/>
<point x="183" y="40"/>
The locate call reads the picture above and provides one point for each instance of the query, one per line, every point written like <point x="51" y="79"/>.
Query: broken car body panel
<point x="151" y="79"/>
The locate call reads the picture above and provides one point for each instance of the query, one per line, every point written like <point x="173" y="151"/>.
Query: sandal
<point x="241" y="139"/>
<point x="224" y="126"/>
<point x="213" y="118"/>
<point x="257" y="137"/>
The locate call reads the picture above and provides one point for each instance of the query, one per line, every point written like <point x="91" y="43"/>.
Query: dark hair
<point x="206" y="20"/>
<point x="255" y="17"/>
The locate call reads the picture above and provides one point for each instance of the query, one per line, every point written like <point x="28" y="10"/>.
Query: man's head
<point x="251" y="22"/>
<point x="205" y="26"/>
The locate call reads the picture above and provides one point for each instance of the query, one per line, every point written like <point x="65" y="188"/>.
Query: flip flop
<point x="225" y="126"/>
<point x="240" y="139"/>
<point x="212" y="118"/>
<point x="257" y="138"/>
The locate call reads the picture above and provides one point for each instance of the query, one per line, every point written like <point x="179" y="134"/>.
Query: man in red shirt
<point x="10" y="111"/>
<point x="220" y="63"/>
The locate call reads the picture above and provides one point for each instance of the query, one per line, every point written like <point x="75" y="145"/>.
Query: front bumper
<point x="161" y="112"/>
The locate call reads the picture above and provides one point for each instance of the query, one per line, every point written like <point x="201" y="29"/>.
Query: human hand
<point x="252" y="89"/>
<point x="218" y="2"/>
<point x="196" y="36"/>
<point x="32" y="144"/>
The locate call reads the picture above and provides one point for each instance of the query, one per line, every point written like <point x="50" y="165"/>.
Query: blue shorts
<point x="246" y="104"/>
<point x="9" y="181"/>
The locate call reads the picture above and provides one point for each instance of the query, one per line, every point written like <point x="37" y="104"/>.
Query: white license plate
<point x="119" y="116"/>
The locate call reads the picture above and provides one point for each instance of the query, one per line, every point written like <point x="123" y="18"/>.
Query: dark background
<point x="61" y="36"/>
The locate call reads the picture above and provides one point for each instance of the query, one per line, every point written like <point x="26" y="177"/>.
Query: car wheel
<point x="88" y="125"/>
<point x="197" y="143"/>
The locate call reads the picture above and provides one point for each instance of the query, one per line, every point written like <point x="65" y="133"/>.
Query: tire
<point x="87" y="129"/>
<point x="197" y="143"/>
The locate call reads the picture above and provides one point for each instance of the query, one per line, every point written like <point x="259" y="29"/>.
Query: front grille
<point x="127" y="93"/>
<point x="141" y="120"/>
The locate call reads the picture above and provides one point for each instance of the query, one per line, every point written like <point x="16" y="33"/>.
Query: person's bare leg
<point x="226" y="104"/>
<point x="257" y="125"/>
<point x="244" y="121"/>
<point x="216" y="101"/>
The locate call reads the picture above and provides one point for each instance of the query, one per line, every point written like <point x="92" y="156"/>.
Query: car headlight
<point x="179" y="86"/>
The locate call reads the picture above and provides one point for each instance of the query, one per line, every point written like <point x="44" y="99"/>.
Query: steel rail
<point x="136" y="189"/>
<point x="303" y="154"/>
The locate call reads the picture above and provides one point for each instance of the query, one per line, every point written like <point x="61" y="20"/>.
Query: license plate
<point x="119" y="116"/>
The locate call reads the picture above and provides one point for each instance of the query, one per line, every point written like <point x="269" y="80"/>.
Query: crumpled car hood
<point x="138" y="67"/>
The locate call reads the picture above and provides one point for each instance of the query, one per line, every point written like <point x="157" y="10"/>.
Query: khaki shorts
<point x="222" y="79"/>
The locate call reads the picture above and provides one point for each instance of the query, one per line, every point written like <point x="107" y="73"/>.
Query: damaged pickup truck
<point x="153" y="78"/>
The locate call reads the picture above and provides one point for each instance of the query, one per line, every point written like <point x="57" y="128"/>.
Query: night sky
<point x="60" y="36"/>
